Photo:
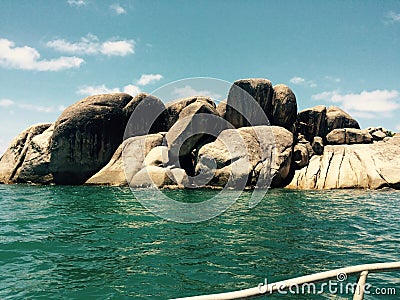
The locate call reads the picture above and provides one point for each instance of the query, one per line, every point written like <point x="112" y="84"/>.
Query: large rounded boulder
<point x="337" y="118"/>
<point x="174" y="108"/>
<point x="198" y="123"/>
<point x="249" y="102"/>
<point x="87" y="133"/>
<point x="238" y="157"/>
<point x="284" y="107"/>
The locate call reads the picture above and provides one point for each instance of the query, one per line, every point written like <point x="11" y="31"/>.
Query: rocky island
<point x="193" y="142"/>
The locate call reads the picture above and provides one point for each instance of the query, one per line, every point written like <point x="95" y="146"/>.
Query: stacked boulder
<point x="79" y="143"/>
<point x="255" y="138"/>
<point x="320" y="120"/>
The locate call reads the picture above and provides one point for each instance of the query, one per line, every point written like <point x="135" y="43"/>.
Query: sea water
<point x="85" y="242"/>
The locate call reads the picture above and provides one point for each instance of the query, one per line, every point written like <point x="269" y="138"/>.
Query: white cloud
<point x="31" y="107"/>
<point x="146" y="79"/>
<point x="103" y="89"/>
<point x="40" y="108"/>
<point x="90" y="45"/>
<point x="118" y="48"/>
<point x="131" y="89"/>
<point x="325" y="95"/>
<point x="297" y="80"/>
<point x="188" y="91"/>
<point x="363" y="115"/>
<point x="6" y="102"/>
<point x="392" y="17"/>
<point x="398" y="128"/>
<point x="367" y="104"/>
<point x="301" y="81"/>
<point x="77" y="3"/>
<point x="118" y="9"/>
<point x="28" y="58"/>
<point x="96" y="90"/>
<point x="333" y="79"/>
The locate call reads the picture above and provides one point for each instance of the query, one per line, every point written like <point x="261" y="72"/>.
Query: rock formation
<point x="21" y="153"/>
<point x="318" y="145"/>
<point x="127" y="160"/>
<point x="348" y="136"/>
<point x="174" y="108"/>
<point x="88" y="132"/>
<point x="369" y="166"/>
<point x="249" y="102"/>
<point x="255" y="138"/>
<point x="284" y="107"/>
<point x="319" y="121"/>
<point x="237" y="156"/>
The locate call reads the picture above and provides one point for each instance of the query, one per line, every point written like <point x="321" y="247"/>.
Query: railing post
<point x="362" y="279"/>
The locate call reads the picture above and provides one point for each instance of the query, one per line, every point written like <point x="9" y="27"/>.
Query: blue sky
<point x="53" y="53"/>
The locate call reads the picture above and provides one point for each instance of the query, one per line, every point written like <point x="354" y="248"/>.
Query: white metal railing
<point x="362" y="270"/>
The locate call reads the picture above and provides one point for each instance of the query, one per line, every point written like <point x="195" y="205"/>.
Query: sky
<point x="53" y="53"/>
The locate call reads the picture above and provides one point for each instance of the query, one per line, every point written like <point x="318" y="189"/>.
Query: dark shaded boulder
<point x="88" y="132"/>
<point x="147" y="115"/>
<point x="301" y="155"/>
<point x="338" y="118"/>
<point x="284" y="107"/>
<point x="198" y="123"/>
<point x="249" y="102"/>
<point x="18" y="152"/>
<point x="173" y="109"/>
<point x="319" y="121"/>
<point x="318" y="145"/>
<point x="311" y="122"/>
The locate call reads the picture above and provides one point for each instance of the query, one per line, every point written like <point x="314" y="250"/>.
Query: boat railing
<point x="340" y="274"/>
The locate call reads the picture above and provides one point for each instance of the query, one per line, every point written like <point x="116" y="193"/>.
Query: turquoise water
<point x="100" y="243"/>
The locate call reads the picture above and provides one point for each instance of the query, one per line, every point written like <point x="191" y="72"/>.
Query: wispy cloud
<point x="77" y="3"/>
<point x="302" y="81"/>
<point x="41" y="108"/>
<point x="96" y="90"/>
<point x="132" y="89"/>
<point x="28" y="58"/>
<point x="398" y="128"/>
<point x="91" y="45"/>
<point x="188" y="91"/>
<point x="333" y="79"/>
<point x="146" y="79"/>
<point x="6" y="102"/>
<point x="103" y="89"/>
<point x="367" y="104"/>
<point x="392" y="17"/>
<point x="118" y="9"/>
